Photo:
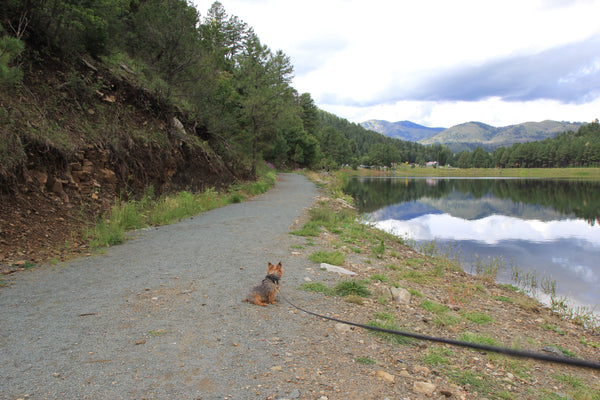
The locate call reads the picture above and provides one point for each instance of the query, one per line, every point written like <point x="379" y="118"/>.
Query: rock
<point x="335" y="268"/>
<point x="385" y="376"/>
<point x="108" y="176"/>
<point x="40" y="176"/>
<point x="553" y="350"/>
<point x="400" y="295"/>
<point x="87" y="167"/>
<point x="421" y="370"/>
<point x="425" y="388"/>
<point x="342" y="328"/>
<point x="344" y="203"/>
<point x="178" y="126"/>
<point x="453" y="394"/>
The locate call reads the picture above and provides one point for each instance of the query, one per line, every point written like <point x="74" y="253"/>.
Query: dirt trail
<point x="160" y="316"/>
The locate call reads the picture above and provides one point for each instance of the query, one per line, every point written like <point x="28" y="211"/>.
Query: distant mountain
<point x="469" y="135"/>
<point x="404" y="130"/>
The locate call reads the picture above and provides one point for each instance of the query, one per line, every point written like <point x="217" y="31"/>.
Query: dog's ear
<point x="270" y="265"/>
<point x="279" y="265"/>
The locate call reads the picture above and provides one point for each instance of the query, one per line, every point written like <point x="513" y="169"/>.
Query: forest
<point x="238" y="92"/>
<point x="212" y="68"/>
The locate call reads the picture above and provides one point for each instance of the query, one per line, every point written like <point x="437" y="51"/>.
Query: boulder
<point x="335" y="268"/>
<point x="400" y="295"/>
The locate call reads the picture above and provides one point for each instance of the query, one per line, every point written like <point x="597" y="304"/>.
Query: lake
<point x="547" y="227"/>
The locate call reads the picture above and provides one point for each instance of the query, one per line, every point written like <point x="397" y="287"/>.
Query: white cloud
<point x="358" y="57"/>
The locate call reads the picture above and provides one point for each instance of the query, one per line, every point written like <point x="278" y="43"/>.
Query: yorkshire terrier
<point x="264" y="293"/>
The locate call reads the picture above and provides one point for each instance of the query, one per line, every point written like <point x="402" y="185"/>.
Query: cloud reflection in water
<point x="490" y="230"/>
<point x="564" y="250"/>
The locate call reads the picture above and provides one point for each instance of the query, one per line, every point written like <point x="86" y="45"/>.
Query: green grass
<point x="434" y="307"/>
<point x="414" y="276"/>
<point x="504" y="299"/>
<point x="343" y="289"/>
<point x="380" y="277"/>
<point x="378" y="249"/>
<point x="329" y="257"/>
<point x="509" y="287"/>
<point x="479" y="318"/>
<point x="415" y="262"/>
<point x="150" y="210"/>
<point x="437" y="356"/>
<point x="323" y="216"/>
<point x="566" y="352"/>
<point x="446" y="320"/>
<point x="483" y="384"/>
<point x="390" y="337"/>
<point x="588" y="173"/>
<point x="478" y="338"/>
<point x="583" y="341"/>
<point x="347" y="288"/>
<point x="365" y="360"/>
<point x="310" y="228"/>
<point x="553" y="328"/>
<point x="316" y="287"/>
<point x="570" y="380"/>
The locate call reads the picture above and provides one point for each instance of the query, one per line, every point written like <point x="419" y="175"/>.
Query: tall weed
<point x="150" y="211"/>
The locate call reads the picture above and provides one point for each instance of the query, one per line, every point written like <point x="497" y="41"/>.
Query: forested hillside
<point x="567" y="149"/>
<point x="230" y="91"/>
<point x="348" y="143"/>
<point x="470" y="135"/>
<point x="120" y="74"/>
<point x="405" y="130"/>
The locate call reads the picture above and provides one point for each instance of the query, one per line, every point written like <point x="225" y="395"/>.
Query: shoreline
<point x="590" y="173"/>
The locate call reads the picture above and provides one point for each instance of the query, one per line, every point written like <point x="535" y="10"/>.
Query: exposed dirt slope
<point x="74" y="142"/>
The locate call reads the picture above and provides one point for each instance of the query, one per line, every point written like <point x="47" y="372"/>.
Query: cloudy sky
<point x="437" y="62"/>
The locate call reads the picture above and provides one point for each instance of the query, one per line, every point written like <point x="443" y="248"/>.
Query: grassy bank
<point x="562" y="173"/>
<point x="151" y="210"/>
<point x="444" y="302"/>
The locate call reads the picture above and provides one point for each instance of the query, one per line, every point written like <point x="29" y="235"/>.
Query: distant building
<point x="431" y="164"/>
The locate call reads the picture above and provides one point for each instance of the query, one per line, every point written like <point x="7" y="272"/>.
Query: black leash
<point x="484" y="347"/>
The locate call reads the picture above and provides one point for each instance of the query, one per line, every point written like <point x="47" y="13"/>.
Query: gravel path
<point x="160" y="316"/>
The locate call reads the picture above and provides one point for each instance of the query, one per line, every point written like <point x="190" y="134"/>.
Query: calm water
<point x="550" y="227"/>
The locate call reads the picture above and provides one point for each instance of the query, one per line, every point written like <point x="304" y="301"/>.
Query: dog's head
<point x="275" y="269"/>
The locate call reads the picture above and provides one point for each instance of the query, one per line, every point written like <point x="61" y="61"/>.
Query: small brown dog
<point x="264" y="293"/>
